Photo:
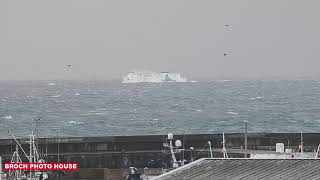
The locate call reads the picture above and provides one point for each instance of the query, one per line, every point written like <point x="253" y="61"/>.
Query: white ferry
<point x="147" y="76"/>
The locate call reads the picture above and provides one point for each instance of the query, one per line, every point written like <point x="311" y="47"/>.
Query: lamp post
<point x="58" y="132"/>
<point x="245" y="138"/>
<point x="191" y="152"/>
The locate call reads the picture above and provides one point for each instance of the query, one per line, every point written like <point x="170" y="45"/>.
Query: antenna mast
<point x="209" y="143"/>
<point x="301" y="143"/>
<point x="15" y="159"/>
<point x="19" y="145"/>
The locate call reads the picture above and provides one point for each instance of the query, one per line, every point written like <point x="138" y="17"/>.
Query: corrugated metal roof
<point x="246" y="169"/>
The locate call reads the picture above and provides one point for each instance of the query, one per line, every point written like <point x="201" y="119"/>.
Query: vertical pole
<point x="172" y="155"/>
<point x="59" y="146"/>
<point x="191" y="154"/>
<point x="211" y="156"/>
<point x="58" y="175"/>
<point x="37" y="132"/>
<point x="301" y="143"/>
<point x="225" y="155"/>
<point x="245" y="138"/>
<point x="31" y="157"/>
<point x="223" y="146"/>
<point x="183" y="148"/>
<point x="0" y="168"/>
<point x="47" y="148"/>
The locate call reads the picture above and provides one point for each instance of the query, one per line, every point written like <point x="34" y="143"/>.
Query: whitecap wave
<point x="56" y="96"/>
<point x="222" y="80"/>
<point x="8" y="117"/>
<point x="233" y="113"/>
<point x="256" y="98"/>
<point x="75" y="122"/>
<point x="51" y="84"/>
<point x="99" y="113"/>
<point x="93" y="113"/>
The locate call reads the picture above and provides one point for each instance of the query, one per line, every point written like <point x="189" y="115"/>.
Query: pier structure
<point x="104" y="156"/>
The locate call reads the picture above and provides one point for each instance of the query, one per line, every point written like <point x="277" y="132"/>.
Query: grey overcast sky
<point x="106" y="39"/>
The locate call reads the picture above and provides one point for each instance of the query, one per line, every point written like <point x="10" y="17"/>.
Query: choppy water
<point x="109" y="108"/>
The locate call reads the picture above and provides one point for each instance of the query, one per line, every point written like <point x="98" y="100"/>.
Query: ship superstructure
<point x="152" y="77"/>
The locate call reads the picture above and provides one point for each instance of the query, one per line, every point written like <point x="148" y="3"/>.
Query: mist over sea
<point x="102" y="108"/>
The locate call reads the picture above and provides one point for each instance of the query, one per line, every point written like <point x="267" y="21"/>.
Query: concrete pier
<point x="125" y="151"/>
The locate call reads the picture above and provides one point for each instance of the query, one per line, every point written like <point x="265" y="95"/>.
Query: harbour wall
<point x="116" y="152"/>
<point x="109" y="157"/>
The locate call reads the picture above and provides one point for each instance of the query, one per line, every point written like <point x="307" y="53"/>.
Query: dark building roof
<point x="246" y="169"/>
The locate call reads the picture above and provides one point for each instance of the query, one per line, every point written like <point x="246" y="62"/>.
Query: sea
<point x="108" y="108"/>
